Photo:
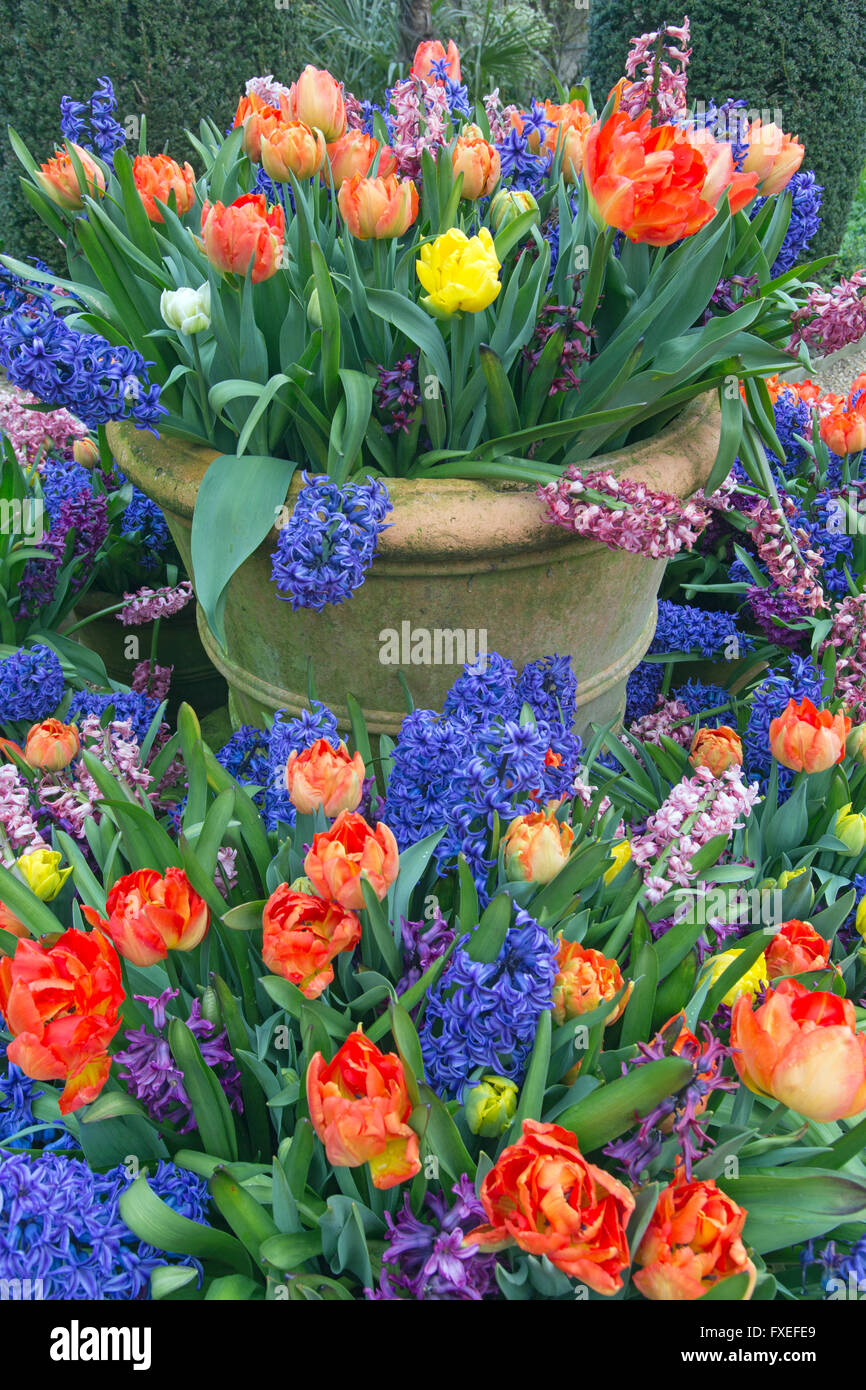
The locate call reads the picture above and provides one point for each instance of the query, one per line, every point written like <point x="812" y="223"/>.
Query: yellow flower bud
<point x="42" y="873"/>
<point x="489" y="1107"/>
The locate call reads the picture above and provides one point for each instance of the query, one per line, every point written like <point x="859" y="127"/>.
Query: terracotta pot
<point x="461" y="557"/>
<point x="194" y="680"/>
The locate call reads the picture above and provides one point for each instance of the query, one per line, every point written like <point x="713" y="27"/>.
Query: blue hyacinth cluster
<point x="684" y="628"/>
<point x="63" y="480"/>
<point x="484" y="1014"/>
<point x="17" y="1094"/>
<point x="144" y="520"/>
<point x="801" y="681"/>
<point x="135" y="706"/>
<point x="478" y="760"/>
<point x="81" y="372"/>
<point x="805" y="220"/>
<point x="31" y="684"/>
<point x="698" y="697"/>
<point x="60" y="1224"/>
<point x="16" y="290"/>
<point x="95" y="128"/>
<point x="325" y="550"/>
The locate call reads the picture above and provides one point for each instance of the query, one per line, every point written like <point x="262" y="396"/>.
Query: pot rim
<point x="455" y="518"/>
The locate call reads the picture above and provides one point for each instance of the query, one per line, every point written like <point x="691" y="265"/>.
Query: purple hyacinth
<point x="426" y="1259"/>
<point x="423" y="943"/>
<point x="398" y="395"/>
<point x="678" y="1112"/>
<point x="767" y="605"/>
<point x="153" y="1077"/>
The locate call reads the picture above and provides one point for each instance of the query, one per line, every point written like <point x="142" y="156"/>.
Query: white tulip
<point x="186" y="310"/>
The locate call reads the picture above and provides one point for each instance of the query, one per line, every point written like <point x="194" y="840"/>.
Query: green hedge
<point x="173" y="60"/>
<point x="806" y="57"/>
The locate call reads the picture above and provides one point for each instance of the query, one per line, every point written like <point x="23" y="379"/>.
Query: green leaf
<point x="443" y="1135"/>
<point x="731" y="1290"/>
<point x="287" y="1252"/>
<point x="487" y="940"/>
<point x="211" y="1109"/>
<point x="418" y="327"/>
<point x="167" y="1279"/>
<point x="787" y="1208"/>
<point x="236" y="507"/>
<point x="26" y="906"/>
<point x="248" y="1219"/>
<point x="154" y="1222"/>
<point x="532" y="1092"/>
<point x="612" y="1109"/>
<point x="377" y="921"/>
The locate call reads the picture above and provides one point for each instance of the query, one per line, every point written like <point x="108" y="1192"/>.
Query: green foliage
<point x="806" y="58"/>
<point x="169" y="61"/>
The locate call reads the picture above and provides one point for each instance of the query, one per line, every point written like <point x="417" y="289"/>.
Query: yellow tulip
<point x="459" y="273"/>
<point x="860" y="919"/>
<point x="754" y="979"/>
<point x="851" y="829"/>
<point x="620" y="854"/>
<point x="42" y="874"/>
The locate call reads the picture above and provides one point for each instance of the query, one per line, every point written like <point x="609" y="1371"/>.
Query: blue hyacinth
<point x="325" y="550"/>
<point x="31" y="684"/>
<point x="801" y="681"/>
<point x="135" y="706"/>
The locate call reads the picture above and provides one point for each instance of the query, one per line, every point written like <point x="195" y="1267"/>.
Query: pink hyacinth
<point x="671" y="718"/>
<point x="146" y="605"/>
<point x="149" y="678"/>
<point x="697" y="810"/>
<point x="17" y="825"/>
<point x="622" y="513"/>
<point x="848" y="637"/>
<point x="267" y="89"/>
<point x="831" y="319"/>
<point x="32" y="432"/>
<point x="794" y="568"/>
<point x="670" y="94"/>
<point x="225" y="876"/>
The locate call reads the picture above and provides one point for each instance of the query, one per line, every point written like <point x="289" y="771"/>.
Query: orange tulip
<point x="150" y="915"/>
<point x="478" y="161"/>
<point x="806" y="739"/>
<point x="543" y="1196"/>
<point x="256" y="116"/>
<point x="844" y="431"/>
<point x="646" y="180"/>
<point x="292" y="149"/>
<point x="802" y="1048"/>
<point x="432" y="51"/>
<point x="716" y="749"/>
<point x="585" y="980"/>
<point x="795" y="948"/>
<point x="693" y="1240"/>
<point x="247" y="230"/>
<point x="359" y="1107"/>
<point x="325" y="776"/>
<point x="536" y="847"/>
<point x="302" y="935"/>
<point x="59" y="181"/>
<point x="721" y="175"/>
<point x="317" y="100"/>
<point x="338" y="857"/>
<point x="379" y="208"/>
<point x="51" y="745"/>
<point x="570" y="125"/>
<point x="61" y="1000"/>
<point x="774" y="156"/>
<point x="9" y="922"/>
<point x="157" y="176"/>
<point x="354" y="153"/>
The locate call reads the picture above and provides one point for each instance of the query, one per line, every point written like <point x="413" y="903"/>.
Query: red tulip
<point x="245" y="231"/>
<point x="150" y="915"/>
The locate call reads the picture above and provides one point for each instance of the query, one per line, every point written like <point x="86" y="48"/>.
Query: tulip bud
<point x="509" y="204"/>
<point x="536" y="847"/>
<point x="210" y="1007"/>
<point x="41" y="871"/>
<point x="489" y="1107"/>
<point x="860" y="919"/>
<point x="620" y="854"/>
<point x="855" y="744"/>
<point x="314" y="311"/>
<point x="186" y="310"/>
<point x="751" y="983"/>
<point x="850" y="828"/>
<point x="85" y="452"/>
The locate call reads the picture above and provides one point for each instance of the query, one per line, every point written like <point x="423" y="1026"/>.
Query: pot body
<point x="193" y="680"/>
<point x="465" y="569"/>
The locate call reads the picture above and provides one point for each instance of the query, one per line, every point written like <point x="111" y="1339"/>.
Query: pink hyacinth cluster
<point x="71" y="797"/>
<point x="267" y="89"/>
<point x="226" y="874"/>
<point x="17" y="827"/>
<point x="147" y="605"/>
<point x="498" y="116"/>
<point x="670" y="95"/>
<point x="622" y="513"/>
<point x="697" y="810"/>
<point x="420" y="122"/>
<point x="149" y="678"/>
<point x="831" y="319"/>
<point x="795" y="569"/>
<point x="671" y="717"/>
<point x="31" y="432"/>
<point x="848" y="637"/>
